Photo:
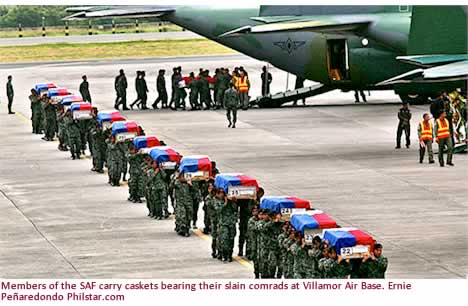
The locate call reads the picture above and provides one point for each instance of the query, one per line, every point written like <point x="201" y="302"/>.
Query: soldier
<point x="299" y="84"/>
<point x="266" y="81"/>
<point x="196" y="198"/>
<point x="161" y="88"/>
<point x="114" y="161"/>
<point x="227" y="226"/>
<point x="84" y="89"/>
<point x="173" y="87"/>
<point x="222" y="81"/>
<point x="121" y="89"/>
<point x="253" y="232"/>
<point x="251" y="245"/>
<point x="74" y="139"/>
<point x="211" y="209"/>
<point x="442" y="133"/>
<point x="159" y="191"/>
<point x="36" y="112"/>
<point x="10" y="94"/>
<point x="375" y="265"/>
<point x="404" y="117"/>
<point x="335" y="266"/>
<point x="62" y="129"/>
<point x="147" y="170"/>
<point x="138" y="90"/>
<point x="300" y="252"/>
<point x="323" y="261"/>
<point x="231" y="102"/>
<point x="177" y="93"/>
<point x="85" y="134"/>
<point x="282" y="251"/>
<point x="264" y="229"/>
<point x="315" y="254"/>
<point x="425" y="135"/>
<point x="50" y="120"/>
<point x="135" y="182"/>
<point x="194" y="91"/>
<point x="205" y="90"/>
<point x="243" y="88"/>
<point x="183" y="198"/>
<point x="99" y="148"/>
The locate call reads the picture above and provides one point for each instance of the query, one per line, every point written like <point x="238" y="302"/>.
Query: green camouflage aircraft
<point x="416" y="51"/>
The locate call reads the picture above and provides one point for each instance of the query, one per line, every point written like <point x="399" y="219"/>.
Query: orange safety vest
<point x="235" y="81"/>
<point x="426" y="131"/>
<point x="243" y="84"/>
<point x="443" y="129"/>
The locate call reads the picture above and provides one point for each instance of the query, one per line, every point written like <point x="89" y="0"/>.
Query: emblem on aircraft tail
<point x="289" y="45"/>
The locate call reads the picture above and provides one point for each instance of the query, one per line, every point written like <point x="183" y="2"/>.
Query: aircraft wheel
<point x="414" y="99"/>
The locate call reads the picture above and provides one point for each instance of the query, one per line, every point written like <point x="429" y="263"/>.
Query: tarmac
<point x="101" y="38"/>
<point x="60" y="220"/>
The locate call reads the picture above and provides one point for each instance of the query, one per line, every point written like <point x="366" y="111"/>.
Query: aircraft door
<point x="337" y="60"/>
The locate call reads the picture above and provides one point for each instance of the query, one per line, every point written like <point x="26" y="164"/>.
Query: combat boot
<point x="241" y="251"/>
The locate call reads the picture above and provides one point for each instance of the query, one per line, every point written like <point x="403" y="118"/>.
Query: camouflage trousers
<point x="227" y="233"/>
<point x="288" y="269"/>
<point x="158" y="205"/>
<point x="214" y="235"/>
<point x="50" y="129"/>
<point x="99" y="157"/>
<point x="271" y="264"/>
<point x="184" y="212"/>
<point x="243" y="224"/>
<point x="251" y="246"/>
<point x="114" y="171"/>
<point x="135" y="186"/>
<point x="37" y="122"/>
<point x="148" y="197"/>
<point x="75" y="145"/>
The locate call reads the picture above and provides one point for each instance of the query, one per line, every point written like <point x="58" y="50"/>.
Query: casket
<point x="166" y="156"/>
<point x="141" y="142"/>
<point x="57" y="94"/>
<point x="81" y="110"/>
<point x="44" y="87"/>
<point x="237" y="185"/>
<point x="311" y="223"/>
<point x="195" y="167"/>
<point x="284" y="205"/>
<point x="125" y="130"/>
<point x="349" y="242"/>
<point x="106" y="119"/>
<point x="68" y="100"/>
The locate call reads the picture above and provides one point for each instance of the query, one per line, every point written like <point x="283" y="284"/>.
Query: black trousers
<point x="401" y="128"/>
<point x="10" y="103"/>
<point x="162" y="97"/>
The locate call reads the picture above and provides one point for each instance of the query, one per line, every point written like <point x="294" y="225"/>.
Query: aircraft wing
<point x="272" y="26"/>
<point x="117" y="12"/>
<point x="440" y="68"/>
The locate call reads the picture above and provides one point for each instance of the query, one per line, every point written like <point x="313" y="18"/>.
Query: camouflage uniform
<point x="264" y="229"/>
<point x="114" y="162"/>
<point x="245" y="212"/>
<point x="231" y="103"/>
<point x="36" y="114"/>
<point x="135" y="182"/>
<point x="272" y="251"/>
<point x="85" y="133"/>
<point x="62" y="129"/>
<point x="99" y="149"/>
<point x="227" y="228"/>
<point x="223" y="84"/>
<point x="374" y="268"/>
<point x="204" y="92"/>
<point x="184" y="209"/>
<point x="196" y="193"/>
<point x="332" y="269"/>
<point x="301" y="260"/>
<point x="158" y="193"/>
<point x="194" y="91"/>
<point x="251" y="245"/>
<point x="281" y="253"/>
<point x="288" y="269"/>
<point x="74" y="139"/>
<point x="50" y="120"/>
<point x="312" y="268"/>
<point x="123" y="146"/>
<point x="211" y="209"/>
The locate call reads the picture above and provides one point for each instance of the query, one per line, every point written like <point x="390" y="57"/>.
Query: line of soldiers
<point x="205" y="92"/>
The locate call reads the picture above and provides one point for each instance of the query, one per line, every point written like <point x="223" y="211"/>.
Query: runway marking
<point x="23" y="117"/>
<point x="240" y="260"/>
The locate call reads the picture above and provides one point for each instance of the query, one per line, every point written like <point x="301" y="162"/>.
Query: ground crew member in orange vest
<point x="442" y="133"/>
<point x="425" y="134"/>
<point x="243" y="87"/>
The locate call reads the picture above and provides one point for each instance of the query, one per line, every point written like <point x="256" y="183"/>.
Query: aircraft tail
<point x="438" y="30"/>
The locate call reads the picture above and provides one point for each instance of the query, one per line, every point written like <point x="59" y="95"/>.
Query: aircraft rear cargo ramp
<point x="276" y="100"/>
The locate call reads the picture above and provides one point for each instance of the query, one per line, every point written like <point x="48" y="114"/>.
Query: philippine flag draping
<point x="111" y="116"/>
<point x="81" y="106"/>
<point x="164" y="154"/>
<point x="347" y="237"/>
<point x="68" y="100"/>
<point x="45" y="86"/>
<point x="234" y="179"/>
<point x="141" y="142"/>
<point x="314" y="219"/>
<point x="277" y="203"/>
<point x="125" y="127"/>
<point x="195" y="163"/>
<point x="58" y="92"/>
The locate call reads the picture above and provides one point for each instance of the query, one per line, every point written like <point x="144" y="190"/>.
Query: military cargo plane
<point x="416" y="51"/>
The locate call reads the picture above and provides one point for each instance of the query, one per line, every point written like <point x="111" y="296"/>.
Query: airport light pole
<point x="43" y="27"/>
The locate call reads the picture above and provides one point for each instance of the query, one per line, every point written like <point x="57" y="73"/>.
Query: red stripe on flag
<point x="325" y="221"/>
<point x="363" y="238"/>
<point x="300" y="203"/>
<point x="247" y="181"/>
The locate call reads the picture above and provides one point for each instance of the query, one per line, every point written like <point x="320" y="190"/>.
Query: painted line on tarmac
<point x="240" y="260"/>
